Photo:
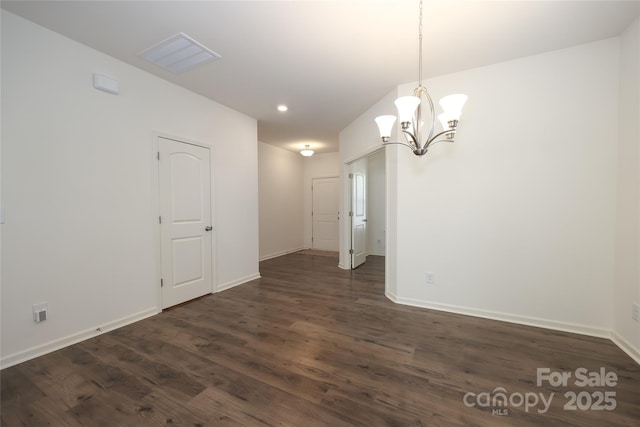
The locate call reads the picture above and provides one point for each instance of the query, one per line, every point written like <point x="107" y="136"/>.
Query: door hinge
<point x="350" y="251"/>
<point x="158" y="155"/>
<point x="159" y="220"/>
<point x="161" y="283"/>
<point x="350" y="176"/>
<point x="350" y="213"/>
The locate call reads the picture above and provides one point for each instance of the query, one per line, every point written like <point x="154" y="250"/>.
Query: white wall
<point x="517" y="216"/>
<point x="325" y="165"/>
<point x="376" y="204"/>
<point x="77" y="186"/>
<point x="627" y="274"/>
<point x="281" y="201"/>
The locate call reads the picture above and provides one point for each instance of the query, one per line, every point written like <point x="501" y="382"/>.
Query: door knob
<point x="208" y="228"/>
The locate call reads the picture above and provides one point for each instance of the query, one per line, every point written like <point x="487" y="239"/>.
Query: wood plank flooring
<point x="312" y="345"/>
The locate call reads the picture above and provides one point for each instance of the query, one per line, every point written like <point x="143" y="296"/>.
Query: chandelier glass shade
<point x="410" y="115"/>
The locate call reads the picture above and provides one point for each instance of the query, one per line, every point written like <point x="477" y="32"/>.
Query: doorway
<point x="185" y="223"/>
<point x="358" y="212"/>
<point x="367" y="212"/>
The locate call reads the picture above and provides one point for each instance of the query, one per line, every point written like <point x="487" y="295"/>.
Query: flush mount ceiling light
<point x="306" y="152"/>
<point x="282" y="108"/>
<point x="410" y="114"/>
<point x="178" y="54"/>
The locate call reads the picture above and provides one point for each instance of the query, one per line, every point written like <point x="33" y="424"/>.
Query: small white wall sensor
<point x="106" y="84"/>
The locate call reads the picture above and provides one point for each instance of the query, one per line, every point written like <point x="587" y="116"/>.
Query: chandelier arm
<point x="422" y="93"/>
<point x="416" y="121"/>
<point x="441" y="140"/>
<point x="433" y="117"/>
<point x="435" y="138"/>
<point x="413" y="142"/>
<point x="416" y="130"/>
<point x="399" y="143"/>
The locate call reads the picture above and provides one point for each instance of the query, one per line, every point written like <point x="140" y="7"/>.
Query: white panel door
<point x="358" y="178"/>
<point x="184" y="177"/>
<point x="325" y="214"/>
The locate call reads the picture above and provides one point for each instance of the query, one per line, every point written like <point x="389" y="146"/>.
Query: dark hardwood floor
<point x="312" y="345"/>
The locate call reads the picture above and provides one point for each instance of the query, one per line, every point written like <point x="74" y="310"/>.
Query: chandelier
<point x="307" y="152"/>
<point x="410" y="109"/>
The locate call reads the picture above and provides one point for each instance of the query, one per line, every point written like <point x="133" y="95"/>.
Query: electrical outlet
<point x="39" y="312"/>
<point x="635" y="312"/>
<point x="428" y="278"/>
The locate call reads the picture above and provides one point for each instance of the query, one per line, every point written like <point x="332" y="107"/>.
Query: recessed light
<point x="282" y="108"/>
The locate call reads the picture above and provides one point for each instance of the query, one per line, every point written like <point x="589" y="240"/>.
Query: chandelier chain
<point x="420" y="47"/>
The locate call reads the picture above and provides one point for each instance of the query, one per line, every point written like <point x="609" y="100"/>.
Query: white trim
<point x="626" y="346"/>
<point x="324" y="177"/>
<point x="505" y="317"/>
<point x="376" y="253"/>
<point x="41" y="350"/>
<point x="617" y="339"/>
<point x="281" y="253"/>
<point x="155" y="147"/>
<point x="364" y="153"/>
<point x="344" y="233"/>
<point x="238" y="282"/>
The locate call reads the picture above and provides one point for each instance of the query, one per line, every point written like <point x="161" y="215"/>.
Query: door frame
<point x="346" y="197"/>
<point x="156" y="135"/>
<point x="353" y="212"/>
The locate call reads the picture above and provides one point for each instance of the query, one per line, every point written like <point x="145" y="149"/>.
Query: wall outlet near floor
<point x="428" y="278"/>
<point x="635" y="312"/>
<point x="39" y="312"/>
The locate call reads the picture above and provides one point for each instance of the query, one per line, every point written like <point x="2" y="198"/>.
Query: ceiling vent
<point x="178" y="54"/>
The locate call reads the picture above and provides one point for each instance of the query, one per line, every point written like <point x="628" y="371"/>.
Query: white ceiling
<point x="328" y="60"/>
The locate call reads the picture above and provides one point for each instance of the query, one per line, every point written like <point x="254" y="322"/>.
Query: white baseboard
<point x="281" y="253"/>
<point x="622" y="343"/>
<point x="237" y="282"/>
<point x="618" y="340"/>
<point x="41" y="350"/>
<point x="376" y="253"/>
<point x="626" y="346"/>
<point x="505" y="317"/>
